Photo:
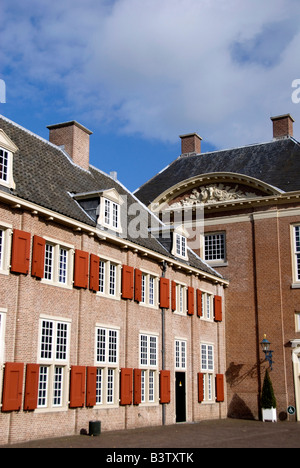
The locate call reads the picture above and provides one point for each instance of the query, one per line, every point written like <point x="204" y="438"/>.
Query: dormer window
<point x="180" y="236"/>
<point x="7" y="150"/>
<point x="180" y="245"/>
<point x="111" y="214"/>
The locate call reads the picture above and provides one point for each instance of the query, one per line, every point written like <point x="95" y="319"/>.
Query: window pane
<point x="99" y="382"/>
<point x="57" y="386"/>
<point x="48" y="262"/>
<point x="101" y="338"/>
<point x="102" y="277"/>
<point x="3" y="165"/>
<point x="112" y="280"/>
<point x="215" y="247"/>
<point x="110" y="386"/>
<point x="61" y="341"/>
<point x="62" y="266"/>
<point x="144" y="352"/>
<point x="43" y="384"/>
<point x="46" y="339"/>
<point x="107" y="212"/>
<point x="153" y="350"/>
<point x="112" y="347"/>
<point x="151" y="290"/>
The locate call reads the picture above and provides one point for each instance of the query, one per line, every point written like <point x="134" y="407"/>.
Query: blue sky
<point x="139" y="73"/>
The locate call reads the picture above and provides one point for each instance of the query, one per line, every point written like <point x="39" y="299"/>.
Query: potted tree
<point x="268" y="400"/>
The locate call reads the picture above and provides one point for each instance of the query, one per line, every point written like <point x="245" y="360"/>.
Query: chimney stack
<point x="190" y="144"/>
<point x="282" y="126"/>
<point x="75" y="139"/>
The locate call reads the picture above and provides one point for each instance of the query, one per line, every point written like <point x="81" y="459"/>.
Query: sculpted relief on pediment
<point x="211" y="194"/>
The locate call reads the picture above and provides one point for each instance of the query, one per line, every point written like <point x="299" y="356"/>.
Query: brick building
<point x="105" y="313"/>
<point x="251" y="199"/>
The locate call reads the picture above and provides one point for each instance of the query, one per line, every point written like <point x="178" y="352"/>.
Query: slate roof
<point x="45" y="175"/>
<point x="276" y="163"/>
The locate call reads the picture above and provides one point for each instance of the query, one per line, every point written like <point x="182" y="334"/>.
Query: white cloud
<point x="162" y="67"/>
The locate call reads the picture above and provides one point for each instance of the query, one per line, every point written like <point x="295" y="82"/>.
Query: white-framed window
<point x="4" y="165"/>
<point x="215" y="247"/>
<point x="207" y="368"/>
<point x="111" y="214"/>
<point x="58" y="265"/>
<point x="297" y="321"/>
<point x="149" y="290"/>
<point x="149" y="366"/>
<point x="109" y="278"/>
<point x="180" y="243"/>
<point x="296" y="254"/>
<point x="7" y="150"/>
<point x="207" y="306"/>
<point x="181" y="299"/>
<point x="107" y="362"/>
<point x="53" y="357"/>
<point x="5" y="247"/>
<point x="180" y="354"/>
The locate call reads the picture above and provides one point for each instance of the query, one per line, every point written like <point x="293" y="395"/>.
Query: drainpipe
<point x="163" y="344"/>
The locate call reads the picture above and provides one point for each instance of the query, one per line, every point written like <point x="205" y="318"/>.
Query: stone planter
<point x="269" y="415"/>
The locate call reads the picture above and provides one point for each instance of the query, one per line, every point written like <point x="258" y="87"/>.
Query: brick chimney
<point x="75" y="139"/>
<point x="190" y="144"/>
<point x="282" y="126"/>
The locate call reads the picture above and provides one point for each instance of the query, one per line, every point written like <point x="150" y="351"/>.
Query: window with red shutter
<point x="200" y="388"/>
<point x="12" y="387"/>
<point x="38" y="257"/>
<point x="127" y="282"/>
<point x="165" y="386"/>
<point x="20" y="257"/>
<point x="164" y="293"/>
<point x="94" y="272"/>
<point x="137" y="400"/>
<point x="91" y="384"/>
<point x="173" y="295"/>
<point x="31" y="387"/>
<point x="191" y="301"/>
<point x="126" y="387"/>
<point x="77" y="387"/>
<point x="81" y="269"/>
<point x="138" y="285"/>
<point x="220" y="388"/>
<point x="199" y="303"/>
<point x="218" y="308"/>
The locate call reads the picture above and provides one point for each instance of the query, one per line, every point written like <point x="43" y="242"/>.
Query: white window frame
<point x="180" y="243"/>
<point x="5" y="247"/>
<point x="180" y="354"/>
<point x="181" y="299"/>
<point x="297" y="321"/>
<point x="107" y="364"/>
<point x="110" y="210"/>
<point x="207" y="306"/>
<point x="149" y="366"/>
<point x="110" y="272"/>
<point x="54" y="276"/>
<point x="208" y="371"/>
<point x="295" y="241"/>
<point x="8" y="147"/>
<point x="150" y="290"/>
<point x="216" y="253"/>
<point x="54" y="369"/>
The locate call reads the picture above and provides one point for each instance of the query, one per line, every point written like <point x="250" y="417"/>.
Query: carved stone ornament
<point x="210" y="194"/>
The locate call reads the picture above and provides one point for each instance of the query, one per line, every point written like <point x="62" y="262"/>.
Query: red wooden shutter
<point x="191" y="301"/>
<point x="138" y="285"/>
<point x="200" y="388"/>
<point x="126" y="387"/>
<point x="173" y="295"/>
<point x="12" y="387"/>
<point x="220" y="387"/>
<point x="94" y="272"/>
<point x="127" y="282"/>
<point x="91" y="384"/>
<point x="77" y="387"/>
<point x="38" y="257"/>
<point x="199" y="303"/>
<point x="31" y="387"/>
<point x="137" y="399"/>
<point x="81" y="269"/>
<point x="165" y="386"/>
<point x="218" y="308"/>
<point x="164" y="293"/>
<point x="20" y="252"/>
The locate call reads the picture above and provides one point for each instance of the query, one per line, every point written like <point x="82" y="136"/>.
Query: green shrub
<point x="268" y="399"/>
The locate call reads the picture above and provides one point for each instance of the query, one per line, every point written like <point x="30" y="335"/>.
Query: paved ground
<point x="230" y="433"/>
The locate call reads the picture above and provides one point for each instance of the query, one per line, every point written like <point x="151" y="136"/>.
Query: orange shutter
<point x="173" y="295"/>
<point x="91" y="384"/>
<point x="31" y="387"/>
<point x="199" y="303"/>
<point x="94" y="272"/>
<point x="12" y="387"/>
<point x="164" y="293"/>
<point x="77" y="387"/>
<point x="81" y="269"/>
<point x="20" y="252"/>
<point x="200" y="388"/>
<point x="38" y="257"/>
<point x="127" y="282"/>
<point x="218" y="308"/>
<point x="220" y="387"/>
<point x="138" y="285"/>
<point x="165" y="386"/>
<point x="126" y="387"/>
<point x="137" y="387"/>
<point x="191" y="301"/>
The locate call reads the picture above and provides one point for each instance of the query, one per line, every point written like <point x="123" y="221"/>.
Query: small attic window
<point x="7" y="150"/>
<point x="180" y="243"/>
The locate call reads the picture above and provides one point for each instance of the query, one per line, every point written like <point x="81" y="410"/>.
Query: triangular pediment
<point x="6" y="143"/>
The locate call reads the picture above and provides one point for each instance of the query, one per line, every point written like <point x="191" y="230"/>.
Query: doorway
<point x="180" y="397"/>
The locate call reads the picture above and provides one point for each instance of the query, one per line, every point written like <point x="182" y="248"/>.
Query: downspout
<point x="163" y="343"/>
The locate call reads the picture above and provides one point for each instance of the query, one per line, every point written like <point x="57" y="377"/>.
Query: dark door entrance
<point x="180" y="397"/>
